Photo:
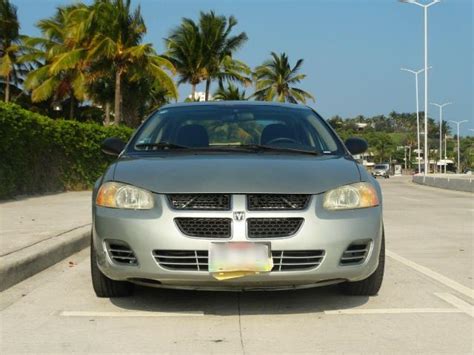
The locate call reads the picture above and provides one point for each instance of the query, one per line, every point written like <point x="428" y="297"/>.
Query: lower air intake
<point x="356" y="253"/>
<point x="121" y="253"/>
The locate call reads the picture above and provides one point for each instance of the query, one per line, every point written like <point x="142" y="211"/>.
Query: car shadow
<point x="313" y="300"/>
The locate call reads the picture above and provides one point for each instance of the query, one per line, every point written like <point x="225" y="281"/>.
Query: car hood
<point x="238" y="173"/>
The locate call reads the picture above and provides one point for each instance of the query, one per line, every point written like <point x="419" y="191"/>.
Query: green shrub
<point x="39" y="154"/>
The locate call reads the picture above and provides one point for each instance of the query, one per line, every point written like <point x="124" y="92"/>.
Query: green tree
<point x="184" y="50"/>
<point x="275" y="79"/>
<point x="117" y="37"/>
<point x="218" y="46"/>
<point x="62" y="74"/>
<point x="9" y="45"/>
<point x="231" y="92"/>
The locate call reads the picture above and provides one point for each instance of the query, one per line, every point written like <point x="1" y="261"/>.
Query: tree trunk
<point x="107" y="113"/>
<point x="208" y="87"/>
<point x="193" y="92"/>
<point x="118" y="97"/>
<point x="7" y="88"/>
<point x="71" y="107"/>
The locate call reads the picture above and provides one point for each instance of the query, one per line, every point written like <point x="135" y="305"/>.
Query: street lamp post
<point x="440" y="106"/>
<point x="417" y="112"/>
<point x="446" y="137"/>
<point x="458" y="123"/>
<point x="445" y="152"/>
<point x="425" y="10"/>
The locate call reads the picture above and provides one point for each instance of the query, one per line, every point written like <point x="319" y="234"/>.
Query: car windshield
<point x="380" y="167"/>
<point x="236" y="127"/>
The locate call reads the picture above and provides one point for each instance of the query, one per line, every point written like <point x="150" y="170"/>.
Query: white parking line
<point x="129" y="314"/>
<point x="432" y="274"/>
<point x="457" y="302"/>
<point x="393" y="311"/>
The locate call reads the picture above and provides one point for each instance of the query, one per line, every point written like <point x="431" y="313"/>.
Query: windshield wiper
<point x="262" y="148"/>
<point x="160" y="145"/>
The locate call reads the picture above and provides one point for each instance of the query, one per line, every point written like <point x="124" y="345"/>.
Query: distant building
<point x="361" y="126"/>
<point x="199" y="96"/>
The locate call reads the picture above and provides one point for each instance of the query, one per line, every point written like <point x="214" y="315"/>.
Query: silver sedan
<point x="236" y="196"/>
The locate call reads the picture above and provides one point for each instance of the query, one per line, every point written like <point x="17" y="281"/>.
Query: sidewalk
<point x="36" y="232"/>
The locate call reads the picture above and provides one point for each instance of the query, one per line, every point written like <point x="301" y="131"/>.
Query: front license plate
<point x="239" y="258"/>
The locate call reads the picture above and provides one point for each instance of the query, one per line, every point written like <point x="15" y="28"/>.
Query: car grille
<point x="214" y="202"/>
<point x="266" y="202"/>
<point x="273" y="227"/>
<point x="121" y="253"/>
<point x="193" y="260"/>
<point x="197" y="260"/>
<point x="288" y="260"/>
<point x="205" y="227"/>
<point x="355" y="253"/>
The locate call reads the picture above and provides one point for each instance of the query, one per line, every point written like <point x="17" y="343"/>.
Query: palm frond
<point x="66" y="61"/>
<point x="45" y="90"/>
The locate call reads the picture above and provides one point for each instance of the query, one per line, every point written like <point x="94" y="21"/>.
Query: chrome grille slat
<point x="304" y="257"/>
<point x="352" y="257"/>
<point x="185" y="260"/>
<point x="173" y="257"/>
<point x="288" y="260"/>
<point x="286" y="264"/>
<point x="357" y="250"/>
<point x="199" y="260"/>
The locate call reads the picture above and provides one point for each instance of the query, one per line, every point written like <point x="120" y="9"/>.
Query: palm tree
<point x="218" y="47"/>
<point x="231" y="92"/>
<point x="184" y="50"/>
<point x="63" y="73"/>
<point x="9" y="44"/>
<point x="274" y="80"/>
<point x="118" y="40"/>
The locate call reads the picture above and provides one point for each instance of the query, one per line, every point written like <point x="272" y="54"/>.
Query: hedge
<point x="39" y="154"/>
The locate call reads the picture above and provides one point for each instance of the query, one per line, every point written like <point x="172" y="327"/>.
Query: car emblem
<point x="239" y="216"/>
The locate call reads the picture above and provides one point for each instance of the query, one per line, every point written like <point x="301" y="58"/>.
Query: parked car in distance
<point x="382" y="170"/>
<point x="236" y="196"/>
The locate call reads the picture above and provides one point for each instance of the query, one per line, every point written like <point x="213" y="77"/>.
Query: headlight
<point x="359" y="195"/>
<point x="118" y="195"/>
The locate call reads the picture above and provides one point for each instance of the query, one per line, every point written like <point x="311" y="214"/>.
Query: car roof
<point x="235" y="103"/>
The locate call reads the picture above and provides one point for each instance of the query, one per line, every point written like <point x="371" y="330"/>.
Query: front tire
<point x="105" y="287"/>
<point x="371" y="285"/>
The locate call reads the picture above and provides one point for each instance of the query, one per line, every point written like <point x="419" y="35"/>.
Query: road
<point x="425" y="305"/>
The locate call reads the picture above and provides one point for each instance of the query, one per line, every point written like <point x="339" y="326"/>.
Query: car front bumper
<point x="155" y="229"/>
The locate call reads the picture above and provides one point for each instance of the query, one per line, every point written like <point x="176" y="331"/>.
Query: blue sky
<point x="353" y="49"/>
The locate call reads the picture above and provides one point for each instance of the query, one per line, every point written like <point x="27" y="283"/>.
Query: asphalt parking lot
<point x="425" y="305"/>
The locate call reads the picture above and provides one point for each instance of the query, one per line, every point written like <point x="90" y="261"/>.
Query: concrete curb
<point x="26" y="262"/>
<point x="447" y="183"/>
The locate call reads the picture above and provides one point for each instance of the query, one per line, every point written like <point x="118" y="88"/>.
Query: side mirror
<point x="356" y="145"/>
<point x="113" y="146"/>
